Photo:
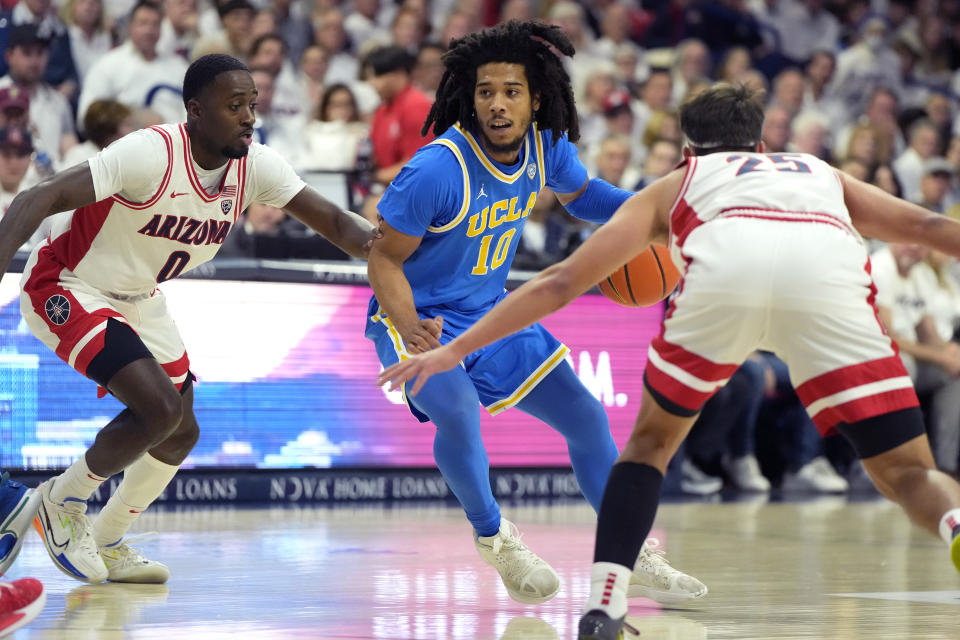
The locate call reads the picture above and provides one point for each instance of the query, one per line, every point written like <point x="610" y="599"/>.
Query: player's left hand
<point x="420" y="366"/>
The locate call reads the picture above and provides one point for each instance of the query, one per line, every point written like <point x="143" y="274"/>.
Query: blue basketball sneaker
<point x="18" y="506"/>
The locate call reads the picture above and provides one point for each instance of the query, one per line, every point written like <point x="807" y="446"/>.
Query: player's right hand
<point x="419" y="369"/>
<point x="424" y="336"/>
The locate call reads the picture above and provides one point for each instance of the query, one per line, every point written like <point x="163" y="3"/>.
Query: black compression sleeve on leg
<point x="627" y="511"/>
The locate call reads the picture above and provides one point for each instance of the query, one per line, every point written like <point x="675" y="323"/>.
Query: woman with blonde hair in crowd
<point x="864" y="146"/>
<point x="662" y="125"/>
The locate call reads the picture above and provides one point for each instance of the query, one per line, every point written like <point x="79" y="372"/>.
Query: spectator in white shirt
<point x="363" y="23"/>
<point x="235" y="34"/>
<point x="179" y="30"/>
<point x="935" y="184"/>
<point x="135" y="74"/>
<point x="89" y="38"/>
<point x="279" y="131"/>
<point x="51" y="119"/>
<point x="868" y="65"/>
<point x="903" y="300"/>
<point x="332" y="141"/>
<point x="818" y="95"/>
<point x="293" y="24"/>
<point x="270" y="52"/>
<point x="924" y="144"/>
<point x="17" y="172"/>
<point x="805" y="27"/>
<point x="313" y="71"/>
<point x="341" y="65"/>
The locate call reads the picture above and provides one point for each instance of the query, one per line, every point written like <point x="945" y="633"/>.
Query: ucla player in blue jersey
<point x="506" y="120"/>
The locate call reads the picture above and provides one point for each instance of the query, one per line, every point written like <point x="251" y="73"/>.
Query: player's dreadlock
<point x="204" y="70"/>
<point x="528" y="42"/>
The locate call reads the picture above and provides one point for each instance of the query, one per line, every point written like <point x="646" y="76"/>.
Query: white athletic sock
<point x="948" y="524"/>
<point x="143" y="481"/>
<point x="76" y="482"/>
<point x="608" y="589"/>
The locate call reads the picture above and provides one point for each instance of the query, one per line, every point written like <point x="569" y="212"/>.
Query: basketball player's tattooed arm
<point x="642" y="217"/>
<point x="390" y="284"/>
<point x="879" y="215"/>
<point x="351" y="232"/>
<point x="66" y="190"/>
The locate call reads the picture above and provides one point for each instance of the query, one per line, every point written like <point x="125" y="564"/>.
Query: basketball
<point x="646" y="280"/>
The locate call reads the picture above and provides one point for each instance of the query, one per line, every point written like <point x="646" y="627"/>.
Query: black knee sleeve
<point x="121" y="346"/>
<point x="882" y="433"/>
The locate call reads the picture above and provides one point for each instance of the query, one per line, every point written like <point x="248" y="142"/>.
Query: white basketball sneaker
<point x="67" y="535"/>
<point x="126" y="563"/>
<point x="654" y="578"/>
<point x="527" y="577"/>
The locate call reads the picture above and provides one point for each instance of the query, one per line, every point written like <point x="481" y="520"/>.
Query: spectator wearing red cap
<point x="14" y="107"/>
<point x="51" y="119"/>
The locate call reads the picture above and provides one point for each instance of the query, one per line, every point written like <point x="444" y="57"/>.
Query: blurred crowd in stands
<point x="871" y="86"/>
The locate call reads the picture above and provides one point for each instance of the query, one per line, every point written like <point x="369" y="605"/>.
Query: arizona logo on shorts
<point x="57" y="308"/>
<point x="226" y="205"/>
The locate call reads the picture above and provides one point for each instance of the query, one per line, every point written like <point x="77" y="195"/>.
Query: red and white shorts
<point x="70" y="317"/>
<point x="800" y="289"/>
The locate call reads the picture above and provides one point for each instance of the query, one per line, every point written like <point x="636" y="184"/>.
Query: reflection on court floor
<point x="821" y="569"/>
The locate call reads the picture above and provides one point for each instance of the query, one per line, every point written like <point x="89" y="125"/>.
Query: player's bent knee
<point x="163" y="415"/>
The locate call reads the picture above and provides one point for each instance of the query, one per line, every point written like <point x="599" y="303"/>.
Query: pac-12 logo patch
<point x="531" y="170"/>
<point x="226" y="205"/>
<point x="58" y="309"/>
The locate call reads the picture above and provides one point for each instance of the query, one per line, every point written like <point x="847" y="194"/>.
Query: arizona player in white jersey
<point x="773" y="259"/>
<point x="149" y="207"/>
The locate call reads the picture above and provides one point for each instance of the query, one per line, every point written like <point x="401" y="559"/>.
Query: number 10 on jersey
<point x="499" y="254"/>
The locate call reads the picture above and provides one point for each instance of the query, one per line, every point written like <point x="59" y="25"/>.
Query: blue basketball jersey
<point x="470" y="211"/>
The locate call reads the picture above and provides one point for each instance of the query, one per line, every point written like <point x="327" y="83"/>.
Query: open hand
<point x="420" y="366"/>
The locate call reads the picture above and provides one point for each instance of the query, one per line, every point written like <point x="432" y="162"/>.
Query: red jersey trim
<point x="168" y="141"/>
<point x="192" y="174"/>
<point x="241" y="184"/>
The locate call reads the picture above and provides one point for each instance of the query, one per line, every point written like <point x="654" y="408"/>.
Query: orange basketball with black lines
<point x="646" y="280"/>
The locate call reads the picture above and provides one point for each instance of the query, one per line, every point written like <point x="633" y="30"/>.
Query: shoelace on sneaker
<point x="79" y="522"/>
<point x="128" y="553"/>
<point x="511" y="541"/>
<point x="656" y="556"/>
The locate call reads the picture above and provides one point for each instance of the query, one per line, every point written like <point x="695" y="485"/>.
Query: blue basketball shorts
<point x="503" y="373"/>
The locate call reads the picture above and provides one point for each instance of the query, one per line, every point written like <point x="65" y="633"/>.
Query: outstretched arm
<point x="66" y="190"/>
<point x="346" y="229"/>
<point x="642" y="217"/>
<point x="877" y="214"/>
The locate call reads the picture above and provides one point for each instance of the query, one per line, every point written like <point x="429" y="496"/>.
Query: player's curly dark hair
<point x="204" y="70"/>
<point x="533" y="44"/>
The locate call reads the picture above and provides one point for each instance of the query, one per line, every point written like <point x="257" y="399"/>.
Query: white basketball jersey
<point x="126" y="247"/>
<point x="784" y="186"/>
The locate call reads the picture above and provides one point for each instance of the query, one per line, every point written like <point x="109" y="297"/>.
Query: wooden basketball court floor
<point x="825" y="568"/>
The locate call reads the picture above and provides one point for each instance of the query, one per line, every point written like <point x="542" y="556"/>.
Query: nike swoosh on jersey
<point x="174" y="195"/>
